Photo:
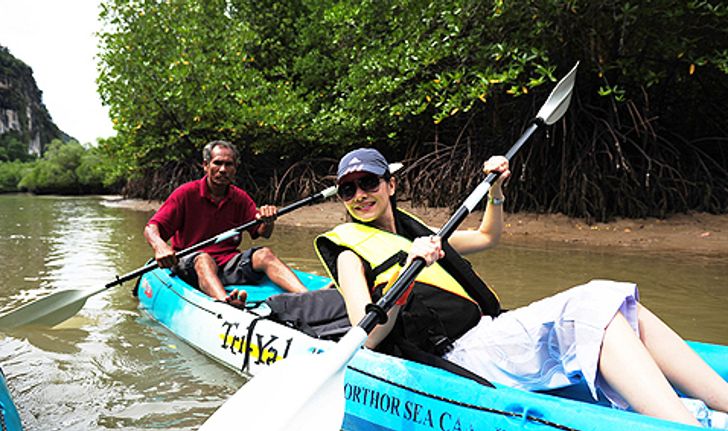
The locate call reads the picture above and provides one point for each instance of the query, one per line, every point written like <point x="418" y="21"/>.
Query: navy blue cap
<point x="362" y="160"/>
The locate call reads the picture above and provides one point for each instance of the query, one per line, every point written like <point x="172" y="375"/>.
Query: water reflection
<point x="23" y="246"/>
<point x="111" y="367"/>
<point x="55" y="340"/>
<point x="79" y="248"/>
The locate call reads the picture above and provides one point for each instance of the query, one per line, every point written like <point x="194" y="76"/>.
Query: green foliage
<point x="65" y="168"/>
<point x="11" y="173"/>
<point x="91" y="171"/>
<point x="279" y="77"/>
<point x="385" y="64"/>
<point x="12" y="148"/>
<point x="298" y="78"/>
<point x="309" y="79"/>
<point x="113" y="168"/>
<point x="177" y="74"/>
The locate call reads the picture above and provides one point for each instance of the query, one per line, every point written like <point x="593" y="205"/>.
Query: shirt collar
<point x="205" y="192"/>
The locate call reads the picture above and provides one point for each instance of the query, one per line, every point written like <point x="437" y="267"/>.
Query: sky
<point x="56" y="39"/>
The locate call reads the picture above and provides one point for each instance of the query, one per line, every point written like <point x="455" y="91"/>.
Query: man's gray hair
<point x="207" y="151"/>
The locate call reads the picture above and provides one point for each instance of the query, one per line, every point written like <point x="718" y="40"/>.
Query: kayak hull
<point x="242" y="340"/>
<point x="9" y="418"/>
<point x="382" y="392"/>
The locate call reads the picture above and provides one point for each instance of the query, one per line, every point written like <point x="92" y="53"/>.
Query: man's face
<point x="221" y="168"/>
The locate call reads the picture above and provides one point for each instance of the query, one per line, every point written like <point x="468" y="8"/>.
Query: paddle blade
<point x="559" y="99"/>
<point x="48" y="311"/>
<point x="394" y="167"/>
<point x="297" y="394"/>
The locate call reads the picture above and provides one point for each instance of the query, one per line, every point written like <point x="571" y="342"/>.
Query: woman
<point x="597" y="332"/>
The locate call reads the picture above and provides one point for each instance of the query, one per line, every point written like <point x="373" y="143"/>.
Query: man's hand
<point x="267" y="214"/>
<point x="165" y="256"/>
<point x="163" y="253"/>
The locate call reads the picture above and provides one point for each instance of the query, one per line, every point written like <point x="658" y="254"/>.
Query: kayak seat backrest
<point x="319" y="313"/>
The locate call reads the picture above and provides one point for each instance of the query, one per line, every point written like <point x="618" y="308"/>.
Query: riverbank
<point x="695" y="234"/>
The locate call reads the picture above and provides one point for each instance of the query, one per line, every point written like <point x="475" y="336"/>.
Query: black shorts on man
<point x="237" y="271"/>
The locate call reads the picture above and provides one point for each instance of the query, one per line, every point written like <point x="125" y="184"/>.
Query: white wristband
<point x="496" y="201"/>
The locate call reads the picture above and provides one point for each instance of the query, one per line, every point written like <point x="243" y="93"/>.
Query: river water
<point x="110" y="367"/>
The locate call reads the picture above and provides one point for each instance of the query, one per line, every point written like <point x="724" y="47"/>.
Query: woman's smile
<point x="363" y="210"/>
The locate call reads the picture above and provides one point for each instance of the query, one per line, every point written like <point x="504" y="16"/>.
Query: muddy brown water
<point x="110" y="367"/>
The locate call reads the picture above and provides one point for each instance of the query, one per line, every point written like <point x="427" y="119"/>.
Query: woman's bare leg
<point x="680" y="364"/>
<point x="626" y="364"/>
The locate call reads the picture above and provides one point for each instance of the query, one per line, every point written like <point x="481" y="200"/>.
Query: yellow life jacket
<point x="376" y="246"/>
<point x="441" y="307"/>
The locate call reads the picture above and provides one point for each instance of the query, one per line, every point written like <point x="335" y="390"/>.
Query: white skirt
<point x="551" y="343"/>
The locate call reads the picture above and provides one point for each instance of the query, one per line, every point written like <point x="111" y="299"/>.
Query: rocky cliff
<point x="25" y="125"/>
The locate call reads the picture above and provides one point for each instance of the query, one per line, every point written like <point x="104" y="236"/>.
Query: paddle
<point x="59" y="306"/>
<point x="307" y="393"/>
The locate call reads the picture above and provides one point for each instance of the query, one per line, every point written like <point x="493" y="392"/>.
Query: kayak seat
<point x="318" y="313"/>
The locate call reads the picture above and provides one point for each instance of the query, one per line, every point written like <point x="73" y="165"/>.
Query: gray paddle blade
<point x="48" y="311"/>
<point x="559" y="99"/>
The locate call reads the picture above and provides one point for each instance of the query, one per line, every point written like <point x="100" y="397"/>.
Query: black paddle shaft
<point x="221" y="237"/>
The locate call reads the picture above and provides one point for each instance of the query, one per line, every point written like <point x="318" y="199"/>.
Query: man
<point x="204" y="208"/>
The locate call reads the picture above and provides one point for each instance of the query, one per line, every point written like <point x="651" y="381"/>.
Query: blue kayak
<point x="382" y="392"/>
<point x="9" y="418"/>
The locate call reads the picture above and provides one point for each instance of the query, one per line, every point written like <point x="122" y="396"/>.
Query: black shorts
<point x="238" y="270"/>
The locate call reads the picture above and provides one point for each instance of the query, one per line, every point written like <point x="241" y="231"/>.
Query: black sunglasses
<point x="368" y="183"/>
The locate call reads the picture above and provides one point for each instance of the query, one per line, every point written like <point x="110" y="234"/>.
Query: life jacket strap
<point x="399" y="257"/>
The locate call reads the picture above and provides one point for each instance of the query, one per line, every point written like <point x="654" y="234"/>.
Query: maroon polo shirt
<point x="189" y="216"/>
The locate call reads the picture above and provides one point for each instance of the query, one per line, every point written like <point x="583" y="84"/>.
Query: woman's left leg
<point x="628" y="367"/>
<point x="680" y="364"/>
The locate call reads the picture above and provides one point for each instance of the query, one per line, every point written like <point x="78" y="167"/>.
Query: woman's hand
<point x="497" y="164"/>
<point x="428" y="248"/>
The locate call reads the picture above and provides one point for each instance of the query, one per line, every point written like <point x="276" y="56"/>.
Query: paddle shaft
<point x="376" y="314"/>
<point x="223" y="236"/>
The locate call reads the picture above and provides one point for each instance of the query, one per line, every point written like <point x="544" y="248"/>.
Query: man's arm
<point x="163" y="253"/>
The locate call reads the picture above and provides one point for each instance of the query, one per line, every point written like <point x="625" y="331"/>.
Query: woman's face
<point x="367" y="204"/>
